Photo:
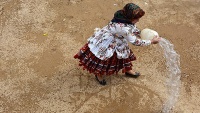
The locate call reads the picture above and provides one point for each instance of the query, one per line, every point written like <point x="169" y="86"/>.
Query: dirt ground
<point x="38" y="73"/>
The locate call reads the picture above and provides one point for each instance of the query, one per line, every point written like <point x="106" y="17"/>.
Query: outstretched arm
<point x="136" y="41"/>
<point x="139" y="42"/>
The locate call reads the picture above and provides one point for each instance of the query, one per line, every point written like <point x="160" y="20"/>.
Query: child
<point x="107" y="51"/>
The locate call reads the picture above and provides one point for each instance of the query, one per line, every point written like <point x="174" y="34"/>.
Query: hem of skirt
<point x="95" y="72"/>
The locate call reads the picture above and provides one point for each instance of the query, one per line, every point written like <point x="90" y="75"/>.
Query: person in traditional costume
<point x="107" y="51"/>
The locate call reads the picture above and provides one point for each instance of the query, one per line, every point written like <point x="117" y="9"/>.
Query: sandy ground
<point x="38" y="74"/>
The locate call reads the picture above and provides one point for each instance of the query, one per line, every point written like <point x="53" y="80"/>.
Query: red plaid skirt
<point x="103" y="67"/>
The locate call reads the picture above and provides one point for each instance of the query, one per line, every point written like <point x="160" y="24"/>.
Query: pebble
<point x="44" y="34"/>
<point x="74" y="1"/>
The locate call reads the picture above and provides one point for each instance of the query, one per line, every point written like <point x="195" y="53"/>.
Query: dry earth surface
<point x="38" y="73"/>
